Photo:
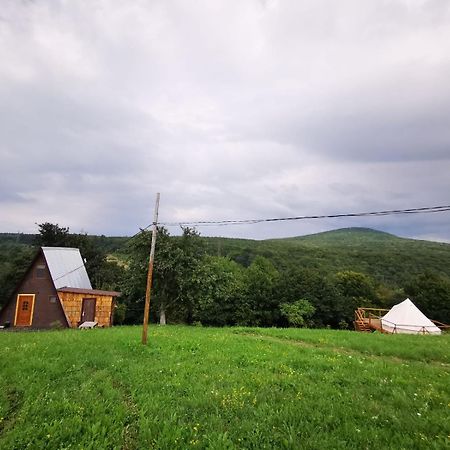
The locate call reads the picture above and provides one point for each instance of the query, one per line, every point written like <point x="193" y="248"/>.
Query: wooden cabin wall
<point x="72" y="303"/>
<point x="47" y="312"/>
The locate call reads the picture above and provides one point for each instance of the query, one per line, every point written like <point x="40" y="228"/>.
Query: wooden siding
<point x="72" y="303"/>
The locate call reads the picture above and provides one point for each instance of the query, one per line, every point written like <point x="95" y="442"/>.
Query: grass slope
<point x="223" y="389"/>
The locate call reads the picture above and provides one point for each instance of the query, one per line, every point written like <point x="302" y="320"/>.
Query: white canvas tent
<point x="407" y="318"/>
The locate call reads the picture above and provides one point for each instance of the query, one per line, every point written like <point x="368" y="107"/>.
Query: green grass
<point x="415" y="348"/>
<point x="223" y="389"/>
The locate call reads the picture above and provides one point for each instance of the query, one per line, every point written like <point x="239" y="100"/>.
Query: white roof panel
<point x="66" y="267"/>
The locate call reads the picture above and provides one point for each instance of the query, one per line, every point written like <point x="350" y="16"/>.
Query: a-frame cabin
<point x="56" y="292"/>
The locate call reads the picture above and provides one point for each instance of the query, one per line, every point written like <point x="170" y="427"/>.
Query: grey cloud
<point x="229" y="109"/>
<point x="368" y="137"/>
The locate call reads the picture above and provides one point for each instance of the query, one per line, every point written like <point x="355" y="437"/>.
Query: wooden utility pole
<point x="150" y="272"/>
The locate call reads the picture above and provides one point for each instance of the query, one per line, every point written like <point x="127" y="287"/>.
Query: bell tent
<point x="407" y="318"/>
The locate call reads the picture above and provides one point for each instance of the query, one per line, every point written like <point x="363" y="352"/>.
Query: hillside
<point x="344" y="236"/>
<point x="388" y="258"/>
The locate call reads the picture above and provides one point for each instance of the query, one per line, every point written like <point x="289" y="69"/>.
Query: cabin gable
<point x="35" y="303"/>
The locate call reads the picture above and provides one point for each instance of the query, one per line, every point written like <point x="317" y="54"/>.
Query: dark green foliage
<point x="192" y="251"/>
<point x="261" y="299"/>
<point x="354" y="290"/>
<point x="310" y="285"/>
<point x="52" y="235"/>
<point x="133" y="284"/>
<point x="119" y="313"/>
<point x="388" y="259"/>
<point x="218" y="287"/>
<point x="218" y="281"/>
<point x="431" y="293"/>
<point x="177" y="260"/>
<point x="14" y="261"/>
<point x="17" y="239"/>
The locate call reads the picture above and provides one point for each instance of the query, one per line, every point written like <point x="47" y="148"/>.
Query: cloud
<point x="229" y="109"/>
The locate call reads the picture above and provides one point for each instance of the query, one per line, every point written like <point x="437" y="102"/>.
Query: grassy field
<point x="223" y="389"/>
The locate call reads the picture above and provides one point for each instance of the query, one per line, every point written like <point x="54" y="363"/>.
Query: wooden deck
<point x="368" y="320"/>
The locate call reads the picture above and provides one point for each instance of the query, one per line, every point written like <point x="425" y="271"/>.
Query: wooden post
<point x="150" y="272"/>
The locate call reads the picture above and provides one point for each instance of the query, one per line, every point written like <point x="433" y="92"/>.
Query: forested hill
<point x="387" y="258"/>
<point x="345" y="236"/>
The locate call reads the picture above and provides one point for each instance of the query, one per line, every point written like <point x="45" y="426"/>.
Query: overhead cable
<point x="422" y="210"/>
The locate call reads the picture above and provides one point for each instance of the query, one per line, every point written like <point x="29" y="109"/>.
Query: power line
<point x="68" y="273"/>
<point x="423" y="210"/>
<point x="205" y="223"/>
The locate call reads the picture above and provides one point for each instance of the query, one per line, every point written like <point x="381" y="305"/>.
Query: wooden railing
<point x="441" y="326"/>
<point x="369" y="319"/>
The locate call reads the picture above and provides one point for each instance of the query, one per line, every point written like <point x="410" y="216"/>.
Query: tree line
<point x="195" y="285"/>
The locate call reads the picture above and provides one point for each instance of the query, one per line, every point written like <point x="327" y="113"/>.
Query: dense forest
<point x="316" y="280"/>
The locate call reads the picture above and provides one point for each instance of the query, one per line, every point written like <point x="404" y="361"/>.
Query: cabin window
<point x="52" y="298"/>
<point x="40" y="271"/>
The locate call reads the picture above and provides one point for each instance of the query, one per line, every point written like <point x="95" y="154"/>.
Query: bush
<point x="296" y="313"/>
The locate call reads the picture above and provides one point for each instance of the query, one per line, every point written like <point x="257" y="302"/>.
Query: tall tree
<point x="52" y="235"/>
<point x="193" y="251"/>
<point x="175" y="262"/>
<point x="355" y="289"/>
<point x="259" y="305"/>
<point x="219" y="289"/>
<point x="309" y="284"/>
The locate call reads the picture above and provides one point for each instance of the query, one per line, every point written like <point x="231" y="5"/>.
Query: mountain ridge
<point x="335" y="234"/>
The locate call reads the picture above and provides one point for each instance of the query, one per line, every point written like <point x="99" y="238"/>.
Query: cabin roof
<point x="66" y="267"/>
<point x="89" y="291"/>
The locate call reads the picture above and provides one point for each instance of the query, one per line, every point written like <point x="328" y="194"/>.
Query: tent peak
<point x="405" y="317"/>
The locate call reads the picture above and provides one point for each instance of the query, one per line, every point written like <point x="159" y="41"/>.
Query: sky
<point x="231" y="109"/>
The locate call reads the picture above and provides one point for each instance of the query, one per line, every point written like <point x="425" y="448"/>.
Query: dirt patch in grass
<point x="14" y="398"/>
<point x="131" y="423"/>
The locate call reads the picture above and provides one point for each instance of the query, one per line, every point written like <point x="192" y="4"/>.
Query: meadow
<point x="195" y="387"/>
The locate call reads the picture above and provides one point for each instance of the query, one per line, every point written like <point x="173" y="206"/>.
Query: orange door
<point x="24" y="311"/>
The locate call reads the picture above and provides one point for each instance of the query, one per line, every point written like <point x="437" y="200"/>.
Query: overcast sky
<point x="231" y="109"/>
